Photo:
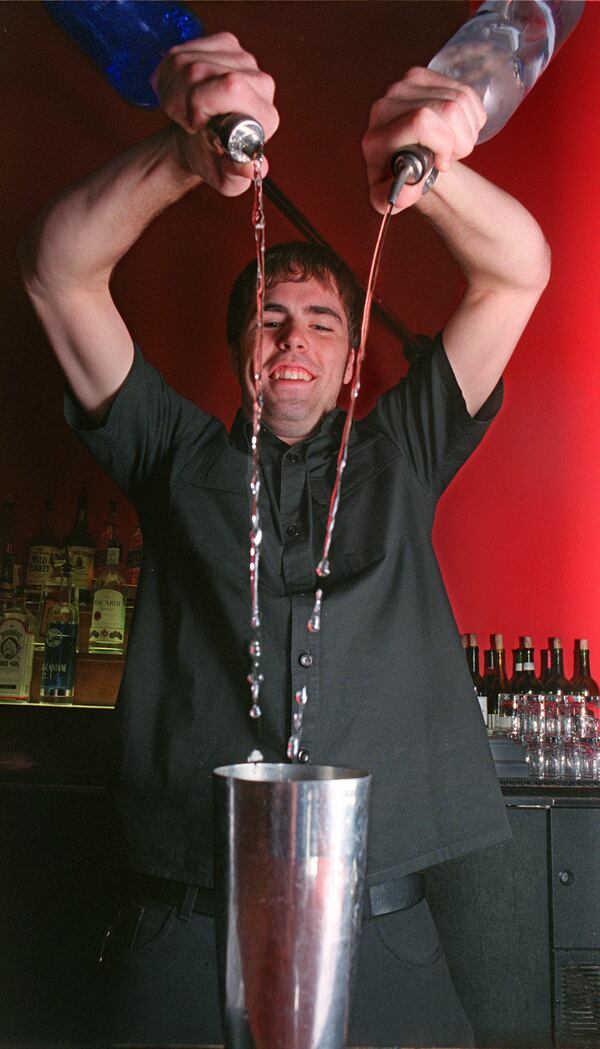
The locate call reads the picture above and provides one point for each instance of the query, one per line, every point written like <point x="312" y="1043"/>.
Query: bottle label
<point x="107" y="629"/>
<point x="81" y="560"/>
<point x="58" y="668"/>
<point x="16" y="658"/>
<point x="39" y="565"/>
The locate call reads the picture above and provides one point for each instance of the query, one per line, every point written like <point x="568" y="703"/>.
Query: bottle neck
<point x="556" y="664"/>
<point x="472" y="652"/>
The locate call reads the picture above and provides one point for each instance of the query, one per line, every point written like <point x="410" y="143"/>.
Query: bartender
<point x="388" y="686"/>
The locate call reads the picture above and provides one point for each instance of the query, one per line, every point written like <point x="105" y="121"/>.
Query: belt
<point x="381" y="898"/>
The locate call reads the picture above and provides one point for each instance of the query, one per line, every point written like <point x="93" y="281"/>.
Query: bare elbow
<point x="544" y="266"/>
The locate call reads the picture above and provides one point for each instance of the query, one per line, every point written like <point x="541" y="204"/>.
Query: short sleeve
<point x="150" y="430"/>
<point x="426" y="416"/>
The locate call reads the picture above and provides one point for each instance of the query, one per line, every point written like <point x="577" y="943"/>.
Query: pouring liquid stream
<point x="323" y="568"/>
<point x="255" y="677"/>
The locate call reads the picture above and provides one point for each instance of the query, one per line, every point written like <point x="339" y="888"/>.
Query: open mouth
<point x="288" y="373"/>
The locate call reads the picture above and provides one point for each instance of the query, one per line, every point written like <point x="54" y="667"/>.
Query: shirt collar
<point x="322" y="444"/>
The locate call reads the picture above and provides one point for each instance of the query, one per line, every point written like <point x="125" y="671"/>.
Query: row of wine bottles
<point x="549" y="679"/>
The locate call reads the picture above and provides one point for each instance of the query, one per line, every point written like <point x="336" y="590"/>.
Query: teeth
<point x="292" y="373"/>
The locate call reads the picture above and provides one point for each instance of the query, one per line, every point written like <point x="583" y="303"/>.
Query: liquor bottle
<point x="503" y="49"/>
<point x="555" y="683"/>
<point x="126" y="42"/>
<point x="58" y="666"/>
<point x="529" y="683"/>
<point x="582" y="683"/>
<point x="107" y="626"/>
<point x="109" y="537"/>
<point x="17" y="633"/>
<point x="42" y="547"/>
<point x="8" y="560"/>
<point x="80" y="551"/>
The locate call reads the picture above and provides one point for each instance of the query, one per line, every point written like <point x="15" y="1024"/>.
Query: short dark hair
<point x="296" y="261"/>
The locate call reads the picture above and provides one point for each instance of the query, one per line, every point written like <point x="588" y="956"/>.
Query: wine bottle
<point x="471" y="648"/>
<point x="529" y="683"/>
<point x="582" y="683"/>
<point x="555" y="683"/>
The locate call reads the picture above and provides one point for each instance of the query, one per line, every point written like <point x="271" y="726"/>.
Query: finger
<point x="233" y="93"/>
<point x="187" y="68"/>
<point x="418" y="80"/>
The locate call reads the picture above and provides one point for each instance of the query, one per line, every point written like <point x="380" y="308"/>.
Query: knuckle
<point x="227" y="39"/>
<point x="415" y="74"/>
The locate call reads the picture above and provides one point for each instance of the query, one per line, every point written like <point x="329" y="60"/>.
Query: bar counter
<point x="519" y="922"/>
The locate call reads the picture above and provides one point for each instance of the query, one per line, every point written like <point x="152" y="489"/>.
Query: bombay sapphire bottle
<point x="60" y="649"/>
<point x="126" y="40"/>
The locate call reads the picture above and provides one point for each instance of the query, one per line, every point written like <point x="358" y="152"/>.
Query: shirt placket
<point x="298" y="574"/>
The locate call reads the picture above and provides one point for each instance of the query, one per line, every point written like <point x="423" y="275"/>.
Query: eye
<point x="321" y="327"/>
<point x="272" y="324"/>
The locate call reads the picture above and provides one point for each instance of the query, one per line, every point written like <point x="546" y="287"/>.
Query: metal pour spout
<point x="242" y="137"/>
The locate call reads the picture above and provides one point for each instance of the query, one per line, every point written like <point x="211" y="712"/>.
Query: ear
<point x="349" y="369"/>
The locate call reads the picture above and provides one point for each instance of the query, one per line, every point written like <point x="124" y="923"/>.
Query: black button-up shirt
<point x="388" y="686"/>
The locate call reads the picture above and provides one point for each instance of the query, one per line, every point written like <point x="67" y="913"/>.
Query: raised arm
<point x="497" y="243"/>
<point x="69" y="254"/>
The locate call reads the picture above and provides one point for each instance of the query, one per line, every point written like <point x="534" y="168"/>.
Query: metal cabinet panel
<point x="575" y="876"/>
<point x="492" y="911"/>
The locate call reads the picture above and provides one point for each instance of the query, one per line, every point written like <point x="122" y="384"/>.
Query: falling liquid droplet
<point x="255" y="711"/>
<point x="314" y="623"/>
<point x="255" y="756"/>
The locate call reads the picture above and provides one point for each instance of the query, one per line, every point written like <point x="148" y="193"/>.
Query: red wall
<point x="517" y="531"/>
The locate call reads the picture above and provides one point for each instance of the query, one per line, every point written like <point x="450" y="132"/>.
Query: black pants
<point x="158" y="982"/>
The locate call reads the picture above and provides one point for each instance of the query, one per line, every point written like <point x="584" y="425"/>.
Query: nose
<point x="291" y="336"/>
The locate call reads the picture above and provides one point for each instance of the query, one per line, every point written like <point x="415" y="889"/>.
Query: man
<point x="386" y="678"/>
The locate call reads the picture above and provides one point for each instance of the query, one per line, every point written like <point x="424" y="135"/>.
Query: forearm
<point x="496" y="242"/>
<point x="78" y="239"/>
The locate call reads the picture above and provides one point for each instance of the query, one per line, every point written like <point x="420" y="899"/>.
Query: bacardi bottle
<point x="107" y="626"/>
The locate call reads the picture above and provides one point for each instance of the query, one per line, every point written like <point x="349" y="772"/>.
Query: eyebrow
<point x="276" y="307"/>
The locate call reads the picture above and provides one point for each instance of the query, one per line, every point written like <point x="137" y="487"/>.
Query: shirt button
<point x="293" y="458"/>
<point x="306" y="660"/>
<point x="293" y="530"/>
<point x="303" y="756"/>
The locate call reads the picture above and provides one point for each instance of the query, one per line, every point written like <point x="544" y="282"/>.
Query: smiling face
<point x="306" y="356"/>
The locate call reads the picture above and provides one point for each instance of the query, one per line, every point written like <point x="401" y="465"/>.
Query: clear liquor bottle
<point x="81" y="551"/>
<point x="17" y="633"/>
<point x="60" y="649"/>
